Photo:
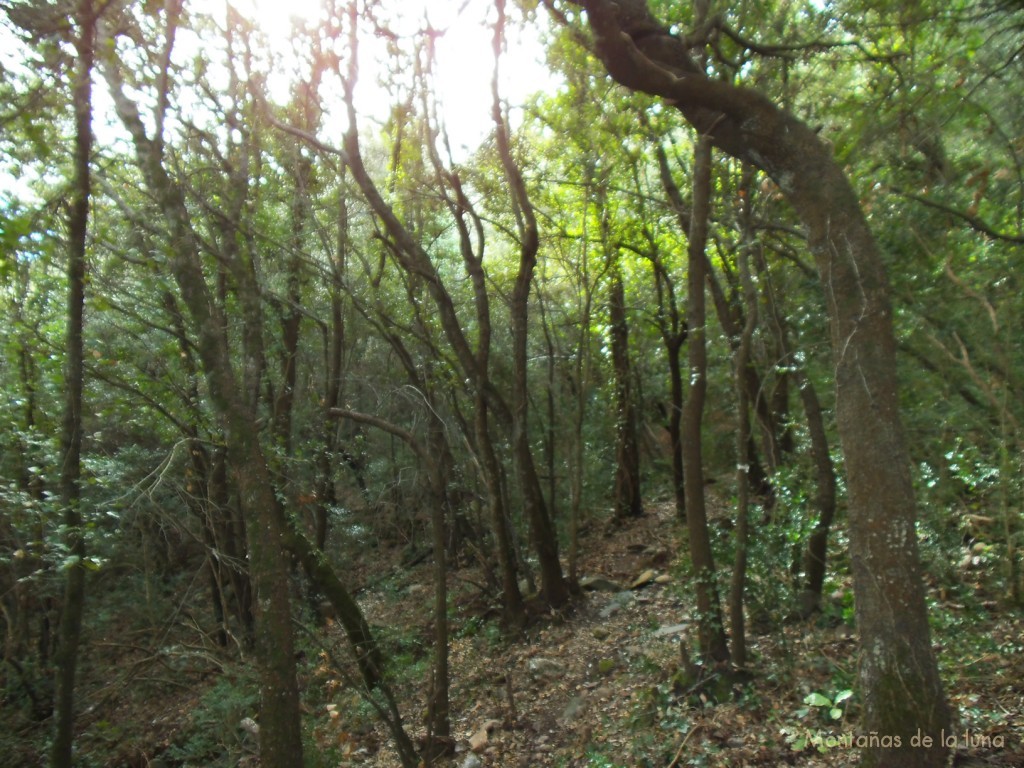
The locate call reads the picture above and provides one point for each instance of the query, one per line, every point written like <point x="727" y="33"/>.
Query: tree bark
<point x="816" y="551"/>
<point x="899" y="678"/>
<point x="554" y="588"/>
<point x="627" y="499"/>
<point x="744" y="452"/>
<point x="713" y="644"/>
<point x="71" y="437"/>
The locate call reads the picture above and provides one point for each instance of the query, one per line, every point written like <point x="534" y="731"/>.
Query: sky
<point x="465" y="66"/>
<point x="465" y="57"/>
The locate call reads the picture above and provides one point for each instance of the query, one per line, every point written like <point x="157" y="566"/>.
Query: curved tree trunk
<point x="554" y="588"/>
<point x="900" y="684"/>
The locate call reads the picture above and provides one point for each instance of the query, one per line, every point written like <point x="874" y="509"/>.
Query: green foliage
<point x="215" y="735"/>
<point x="918" y="102"/>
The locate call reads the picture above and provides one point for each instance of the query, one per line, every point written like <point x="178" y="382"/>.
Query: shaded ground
<point x="592" y="686"/>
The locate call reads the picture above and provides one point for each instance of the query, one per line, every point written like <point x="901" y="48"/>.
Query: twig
<point x="679" y="752"/>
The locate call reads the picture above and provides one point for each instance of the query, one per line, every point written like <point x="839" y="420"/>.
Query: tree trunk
<point x="280" y="731"/>
<point x="71" y="437"/>
<point x="730" y="317"/>
<point x="627" y="501"/>
<point x="900" y="685"/>
<point x="815" y="554"/>
<point x="744" y="453"/>
<point x="554" y="588"/>
<point x="713" y="644"/>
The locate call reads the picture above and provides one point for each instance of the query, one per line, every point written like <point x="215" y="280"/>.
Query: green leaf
<point x="817" y="700"/>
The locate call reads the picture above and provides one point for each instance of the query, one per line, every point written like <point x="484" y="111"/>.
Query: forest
<point x="512" y="383"/>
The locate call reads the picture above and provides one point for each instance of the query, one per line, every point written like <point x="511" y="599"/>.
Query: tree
<point x="71" y="437"/>
<point x="280" y="733"/>
<point x="899" y="677"/>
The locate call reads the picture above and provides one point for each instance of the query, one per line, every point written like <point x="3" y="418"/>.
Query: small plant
<point x="822" y="711"/>
<point x="828" y="709"/>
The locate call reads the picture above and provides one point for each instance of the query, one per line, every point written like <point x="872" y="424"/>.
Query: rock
<point x="600" y="633"/>
<point x="675" y="629"/>
<point x="605" y="666"/>
<point x="479" y="740"/>
<point x="643" y="579"/>
<point x="544" y="669"/>
<point x="599" y="584"/>
<point x="471" y="761"/>
<point x="619" y="601"/>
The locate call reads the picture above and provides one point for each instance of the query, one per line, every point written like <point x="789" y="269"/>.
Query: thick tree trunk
<point x="900" y="685"/>
<point x="71" y="438"/>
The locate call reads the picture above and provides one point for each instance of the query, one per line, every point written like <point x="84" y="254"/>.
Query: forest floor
<point x="590" y="686"/>
<point x="593" y="686"/>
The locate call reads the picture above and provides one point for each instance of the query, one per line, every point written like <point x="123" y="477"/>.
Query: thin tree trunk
<point x="713" y="643"/>
<point x="815" y="553"/>
<point x="730" y="317"/>
<point x="743" y="447"/>
<point x="435" y="458"/>
<point x="554" y="588"/>
<point x="627" y="500"/>
<point x="71" y="437"/>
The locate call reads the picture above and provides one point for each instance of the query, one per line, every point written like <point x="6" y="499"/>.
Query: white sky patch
<point x="464" y="52"/>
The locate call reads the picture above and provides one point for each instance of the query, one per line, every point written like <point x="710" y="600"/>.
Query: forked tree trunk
<point x="899" y="680"/>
